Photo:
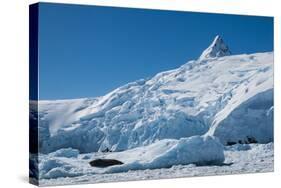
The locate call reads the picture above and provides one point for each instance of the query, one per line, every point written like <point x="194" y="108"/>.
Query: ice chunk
<point x="54" y="167"/>
<point x="200" y="150"/>
<point x="65" y="152"/>
<point x="64" y="171"/>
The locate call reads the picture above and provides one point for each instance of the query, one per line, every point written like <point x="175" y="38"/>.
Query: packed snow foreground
<point x="188" y="115"/>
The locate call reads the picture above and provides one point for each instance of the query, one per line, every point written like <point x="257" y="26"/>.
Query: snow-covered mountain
<point x="217" y="49"/>
<point x="219" y="94"/>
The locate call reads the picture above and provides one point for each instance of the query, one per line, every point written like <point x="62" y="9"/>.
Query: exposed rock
<point x="105" y="162"/>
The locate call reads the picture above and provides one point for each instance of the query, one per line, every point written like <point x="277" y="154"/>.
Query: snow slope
<point x="228" y="96"/>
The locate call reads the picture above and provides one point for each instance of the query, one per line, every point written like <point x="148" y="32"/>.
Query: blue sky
<point x="87" y="51"/>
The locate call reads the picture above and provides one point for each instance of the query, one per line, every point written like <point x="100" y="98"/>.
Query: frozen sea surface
<point x="252" y="158"/>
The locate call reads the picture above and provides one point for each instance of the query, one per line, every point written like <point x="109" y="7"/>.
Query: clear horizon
<point x="87" y="51"/>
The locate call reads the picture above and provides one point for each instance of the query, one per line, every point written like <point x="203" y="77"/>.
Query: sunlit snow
<point x="175" y="120"/>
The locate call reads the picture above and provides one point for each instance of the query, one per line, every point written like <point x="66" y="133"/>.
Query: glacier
<point x="188" y="115"/>
<point x="227" y="96"/>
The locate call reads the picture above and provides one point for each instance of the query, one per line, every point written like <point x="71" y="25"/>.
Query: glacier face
<point x="222" y="95"/>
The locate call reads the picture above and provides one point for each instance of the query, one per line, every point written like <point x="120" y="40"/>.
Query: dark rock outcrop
<point x="105" y="162"/>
